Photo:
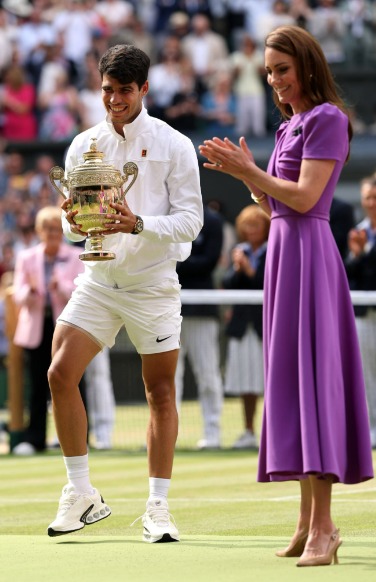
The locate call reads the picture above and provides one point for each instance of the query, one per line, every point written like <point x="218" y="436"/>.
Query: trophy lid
<point x="94" y="171"/>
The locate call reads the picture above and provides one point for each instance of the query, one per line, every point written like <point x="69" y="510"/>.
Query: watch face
<point x="139" y="226"/>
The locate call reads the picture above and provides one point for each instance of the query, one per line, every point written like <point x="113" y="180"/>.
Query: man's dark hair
<point x="125" y="63"/>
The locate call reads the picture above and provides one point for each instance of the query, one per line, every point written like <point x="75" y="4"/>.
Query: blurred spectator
<point x="361" y="271"/>
<point x="206" y="49"/>
<point x="14" y="178"/>
<point x="328" y="26"/>
<point x="248" y="68"/>
<point x="360" y="19"/>
<point x="90" y="101"/>
<point x="179" y="24"/>
<point x="116" y="14"/>
<point x="8" y="35"/>
<point x="200" y="330"/>
<point x="6" y="257"/>
<point x="43" y="282"/>
<point x="184" y="112"/>
<point x="34" y="34"/>
<point x="59" y="110"/>
<point x="301" y="11"/>
<point x="163" y="9"/>
<point x="138" y="35"/>
<point x="218" y="105"/>
<point x="41" y="177"/>
<point x="25" y="235"/>
<point x="244" y="363"/>
<point x="54" y="64"/>
<point x="75" y="26"/>
<point x="341" y="221"/>
<point x="18" y="100"/>
<point x="229" y="240"/>
<point x="279" y="15"/>
<point x="165" y="79"/>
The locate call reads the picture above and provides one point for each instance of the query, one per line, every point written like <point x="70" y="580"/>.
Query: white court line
<point x="287" y="498"/>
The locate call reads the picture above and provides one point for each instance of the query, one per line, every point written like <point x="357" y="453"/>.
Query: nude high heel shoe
<point x="327" y="558"/>
<point x="294" y="549"/>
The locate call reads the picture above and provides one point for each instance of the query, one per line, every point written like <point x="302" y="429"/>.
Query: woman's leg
<point x="298" y="540"/>
<point x="321" y="525"/>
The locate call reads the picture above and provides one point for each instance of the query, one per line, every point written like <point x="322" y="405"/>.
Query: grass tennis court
<point x="230" y="525"/>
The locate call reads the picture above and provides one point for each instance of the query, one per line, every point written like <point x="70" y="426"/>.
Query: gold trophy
<point x="92" y="186"/>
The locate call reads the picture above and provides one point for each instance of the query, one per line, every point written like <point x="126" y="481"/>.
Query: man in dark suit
<point x="361" y="270"/>
<point x="200" y="329"/>
<point x="341" y="222"/>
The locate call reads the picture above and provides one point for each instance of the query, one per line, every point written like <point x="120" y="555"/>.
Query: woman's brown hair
<point x="316" y="79"/>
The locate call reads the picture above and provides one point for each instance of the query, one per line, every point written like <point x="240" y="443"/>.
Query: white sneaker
<point x="208" y="444"/>
<point x="24" y="450"/>
<point x="77" y="510"/>
<point x="246" y="441"/>
<point x="157" y="523"/>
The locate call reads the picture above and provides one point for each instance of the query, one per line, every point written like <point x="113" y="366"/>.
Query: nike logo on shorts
<point x="159" y="340"/>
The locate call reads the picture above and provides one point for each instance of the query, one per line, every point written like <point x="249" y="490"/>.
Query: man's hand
<point x="123" y="221"/>
<point x="69" y="215"/>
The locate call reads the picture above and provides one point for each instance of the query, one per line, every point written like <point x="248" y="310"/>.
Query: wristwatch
<point x="139" y="226"/>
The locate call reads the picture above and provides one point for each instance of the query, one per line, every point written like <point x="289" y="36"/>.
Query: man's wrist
<point x="139" y="225"/>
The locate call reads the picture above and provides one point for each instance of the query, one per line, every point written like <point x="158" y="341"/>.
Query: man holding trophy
<point x="131" y="280"/>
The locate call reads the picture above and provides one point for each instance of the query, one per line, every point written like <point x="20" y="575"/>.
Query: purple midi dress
<point x="315" y="412"/>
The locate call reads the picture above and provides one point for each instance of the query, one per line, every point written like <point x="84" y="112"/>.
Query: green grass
<point x="230" y="525"/>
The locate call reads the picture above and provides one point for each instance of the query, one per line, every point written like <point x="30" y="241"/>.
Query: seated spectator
<point x="18" y="100"/>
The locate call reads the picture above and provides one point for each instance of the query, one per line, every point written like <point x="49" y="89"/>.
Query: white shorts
<point x="151" y="315"/>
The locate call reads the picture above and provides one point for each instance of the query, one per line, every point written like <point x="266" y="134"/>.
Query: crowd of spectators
<point x="206" y="74"/>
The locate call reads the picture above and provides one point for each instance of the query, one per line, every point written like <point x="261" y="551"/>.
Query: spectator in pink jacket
<point x="43" y="282"/>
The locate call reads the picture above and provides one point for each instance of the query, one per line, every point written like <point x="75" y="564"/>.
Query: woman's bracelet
<point x="258" y="199"/>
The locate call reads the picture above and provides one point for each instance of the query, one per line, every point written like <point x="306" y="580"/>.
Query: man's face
<point x="368" y="199"/>
<point x="123" y="103"/>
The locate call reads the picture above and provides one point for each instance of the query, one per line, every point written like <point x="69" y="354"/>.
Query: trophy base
<point x="97" y="256"/>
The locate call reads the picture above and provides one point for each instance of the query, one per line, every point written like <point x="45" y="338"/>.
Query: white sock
<point x="158" y="488"/>
<point x="78" y="473"/>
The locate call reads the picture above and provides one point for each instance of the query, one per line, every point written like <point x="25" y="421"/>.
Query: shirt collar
<point x="130" y="129"/>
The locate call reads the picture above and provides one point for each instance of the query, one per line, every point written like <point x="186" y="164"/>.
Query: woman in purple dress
<point x="315" y="425"/>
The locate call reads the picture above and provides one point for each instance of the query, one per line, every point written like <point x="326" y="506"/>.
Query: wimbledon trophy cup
<point x="92" y="186"/>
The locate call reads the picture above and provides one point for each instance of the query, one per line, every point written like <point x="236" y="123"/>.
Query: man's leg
<point x="80" y="503"/>
<point x="100" y="399"/>
<point x="158" y="372"/>
<point x="202" y="337"/>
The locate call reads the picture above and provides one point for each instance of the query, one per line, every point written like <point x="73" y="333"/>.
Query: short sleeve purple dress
<point x="315" y="413"/>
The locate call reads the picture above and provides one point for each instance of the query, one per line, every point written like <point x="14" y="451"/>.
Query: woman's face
<point x="254" y="231"/>
<point x="282" y="77"/>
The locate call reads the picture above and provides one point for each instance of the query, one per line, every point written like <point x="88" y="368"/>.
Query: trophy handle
<point x="57" y="173"/>
<point x="130" y="169"/>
